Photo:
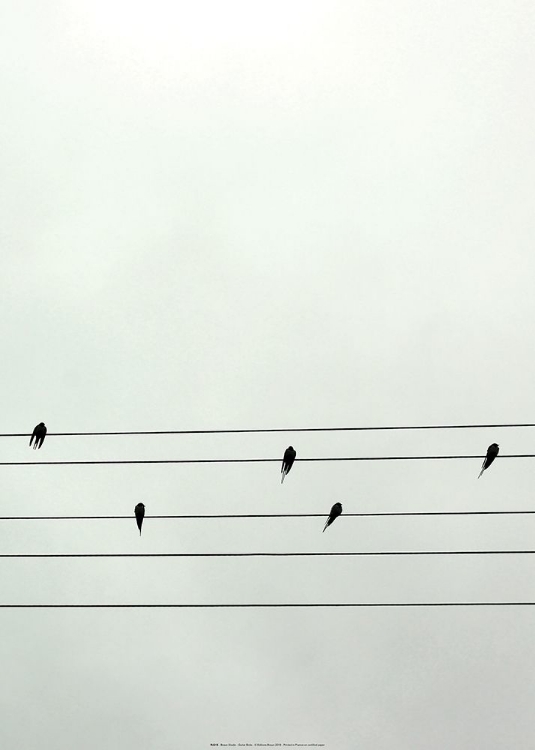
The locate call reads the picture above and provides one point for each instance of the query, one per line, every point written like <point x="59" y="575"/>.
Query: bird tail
<point x="283" y="475"/>
<point x="482" y="469"/>
<point x="326" y="524"/>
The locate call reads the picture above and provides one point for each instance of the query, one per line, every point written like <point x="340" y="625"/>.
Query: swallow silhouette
<point x="336" y="511"/>
<point x="139" y="510"/>
<point x="492" y="452"/>
<point x="39" y="433"/>
<point x="287" y="461"/>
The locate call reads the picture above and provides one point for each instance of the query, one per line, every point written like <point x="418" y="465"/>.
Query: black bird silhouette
<point x="336" y="511"/>
<point x="492" y="452"/>
<point x="287" y="461"/>
<point x="139" y="510"/>
<point x="39" y="433"/>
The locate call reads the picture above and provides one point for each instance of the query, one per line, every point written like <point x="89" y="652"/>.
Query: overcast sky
<point x="252" y="214"/>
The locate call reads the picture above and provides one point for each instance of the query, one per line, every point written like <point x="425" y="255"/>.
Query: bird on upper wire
<point x="39" y="433"/>
<point x="139" y="510"/>
<point x="492" y="452"/>
<point x="336" y="511"/>
<point x="287" y="461"/>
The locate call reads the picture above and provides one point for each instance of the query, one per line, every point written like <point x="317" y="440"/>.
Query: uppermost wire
<point x="281" y="429"/>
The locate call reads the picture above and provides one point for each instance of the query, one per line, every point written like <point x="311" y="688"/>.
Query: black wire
<point x="279" y="515"/>
<point x="280" y="429"/>
<point x="251" y="460"/>
<point x="274" y="554"/>
<point x="233" y="606"/>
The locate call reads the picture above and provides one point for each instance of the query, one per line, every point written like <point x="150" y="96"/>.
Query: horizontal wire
<point x="278" y="515"/>
<point x="273" y="554"/>
<point x="253" y="460"/>
<point x="234" y="606"/>
<point x="281" y="429"/>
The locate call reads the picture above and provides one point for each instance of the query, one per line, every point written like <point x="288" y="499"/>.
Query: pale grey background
<point x="249" y="214"/>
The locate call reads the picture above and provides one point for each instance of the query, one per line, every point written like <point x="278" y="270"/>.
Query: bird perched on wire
<point x="287" y="461"/>
<point x="139" y="510"/>
<point x="336" y="511"/>
<point x="39" y="433"/>
<point x="492" y="452"/>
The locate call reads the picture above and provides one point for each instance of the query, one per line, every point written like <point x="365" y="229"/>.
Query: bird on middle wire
<point x="336" y="511"/>
<point x="492" y="452"/>
<point x="39" y="433"/>
<point x="287" y="461"/>
<point x="139" y="510"/>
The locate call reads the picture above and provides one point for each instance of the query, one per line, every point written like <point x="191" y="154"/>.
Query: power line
<point x="280" y="429"/>
<point x="278" y="515"/>
<point x="253" y="460"/>
<point x="273" y="554"/>
<point x="235" y="606"/>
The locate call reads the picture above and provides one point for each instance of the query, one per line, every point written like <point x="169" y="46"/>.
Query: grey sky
<point x="266" y="214"/>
